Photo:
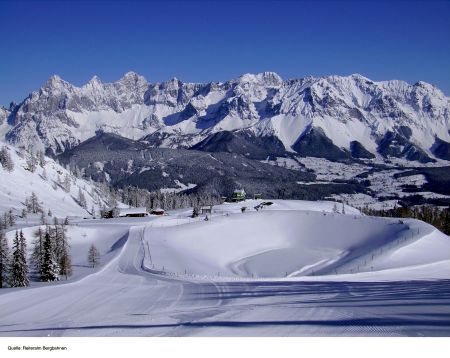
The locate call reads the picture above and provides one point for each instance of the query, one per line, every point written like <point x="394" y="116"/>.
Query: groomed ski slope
<point x="292" y="269"/>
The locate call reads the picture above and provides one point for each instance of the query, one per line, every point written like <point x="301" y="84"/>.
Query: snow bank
<point x="288" y="243"/>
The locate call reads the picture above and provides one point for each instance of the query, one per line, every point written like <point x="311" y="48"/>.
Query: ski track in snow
<point x="129" y="298"/>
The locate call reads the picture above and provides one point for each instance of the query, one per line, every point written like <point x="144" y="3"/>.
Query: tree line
<point x="49" y="261"/>
<point x="137" y="197"/>
<point x="50" y="257"/>
<point x="436" y="216"/>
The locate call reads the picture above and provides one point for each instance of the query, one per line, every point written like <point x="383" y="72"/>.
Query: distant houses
<point x="131" y="212"/>
<point x="241" y="195"/>
<point x="157" y="211"/>
<point x="206" y="209"/>
<point x="238" y="195"/>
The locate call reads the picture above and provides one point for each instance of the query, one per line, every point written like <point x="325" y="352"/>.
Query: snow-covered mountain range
<point x="334" y="117"/>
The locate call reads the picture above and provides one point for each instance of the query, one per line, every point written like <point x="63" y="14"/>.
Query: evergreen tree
<point x="18" y="265"/>
<point x="43" y="219"/>
<point x="37" y="255"/>
<point x="93" y="256"/>
<point x="3" y="222"/>
<point x="49" y="268"/>
<point x="82" y="199"/>
<point x="66" y="183"/>
<point x="335" y="209"/>
<point x="32" y="204"/>
<point x="41" y="158"/>
<point x="62" y="250"/>
<point x="31" y="162"/>
<point x="4" y="260"/>
<point x="65" y="264"/>
<point x="5" y="159"/>
<point x="10" y="219"/>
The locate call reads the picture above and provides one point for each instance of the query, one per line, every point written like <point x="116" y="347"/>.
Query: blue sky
<point x="203" y="41"/>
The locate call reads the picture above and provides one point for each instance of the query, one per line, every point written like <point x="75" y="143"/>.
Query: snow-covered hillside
<point x="295" y="239"/>
<point x="349" y="114"/>
<point x="293" y="268"/>
<point x="55" y="187"/>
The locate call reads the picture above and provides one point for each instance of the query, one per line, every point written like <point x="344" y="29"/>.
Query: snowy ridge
<point x="174" y="114"/>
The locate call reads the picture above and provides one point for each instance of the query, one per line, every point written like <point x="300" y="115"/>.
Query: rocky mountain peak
<point x="56" y="84"/>
<point x="95" y="80"/>
<point x="132" y="78"/>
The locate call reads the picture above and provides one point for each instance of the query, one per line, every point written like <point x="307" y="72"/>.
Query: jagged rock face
<point x="4" y="113"/>
<point x="343" y="110"/>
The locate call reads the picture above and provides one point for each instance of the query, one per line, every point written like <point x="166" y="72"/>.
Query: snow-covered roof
<point x="158" y="209"/>
<point x="239" y="191"/>
<point x="128" y="211"/>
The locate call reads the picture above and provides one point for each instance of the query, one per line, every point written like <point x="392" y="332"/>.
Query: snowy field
<point x="294" y="268"/>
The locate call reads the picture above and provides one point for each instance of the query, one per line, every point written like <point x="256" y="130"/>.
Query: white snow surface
<point x="19" y="184"/>
<point x="295" y="239"/>
<point x="292" y="268"/>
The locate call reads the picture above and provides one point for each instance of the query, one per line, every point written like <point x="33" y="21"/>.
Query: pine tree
<point x="41" y="158"/>
<point x="11" y="218"/>
<point x="3" y="222"/>
<point x="23" y="256"/>
<point x="18" y="265"/>
<point x="49" y="268"/>
<point x="66" y="183"/>
<point x="5" y="159"/>
<point x="63" y="255"/>
<point x="93" y="256"/>
<point x="4" y="260"/>
<point x="32" y="204"/>
<point x="31" y="162"/>
<point x="82" y="199"/>
<point x="65" y="265"/>
<point x="37" y="255"/>
<point x="335" y="209"/>
<point x="43" y="218"/>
